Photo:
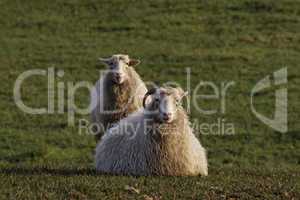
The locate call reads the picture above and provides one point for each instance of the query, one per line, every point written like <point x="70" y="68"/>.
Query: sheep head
<point x="117" y="65"/>
<point x="164" y="103"/>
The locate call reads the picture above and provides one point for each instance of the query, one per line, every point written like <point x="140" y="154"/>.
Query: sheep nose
<point x="118" y="76"/>
<point x="166" y="116"/>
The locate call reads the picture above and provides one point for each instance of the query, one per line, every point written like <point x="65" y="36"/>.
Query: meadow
<point x="240" y="41"/>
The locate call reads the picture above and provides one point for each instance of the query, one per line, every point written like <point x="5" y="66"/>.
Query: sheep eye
<point x="111" y="66"/>
<point x="178" y="103"/>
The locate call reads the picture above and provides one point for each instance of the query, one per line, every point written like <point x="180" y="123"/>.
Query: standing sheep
<point x="157" y="140"/>
<point x="119" y="92"/>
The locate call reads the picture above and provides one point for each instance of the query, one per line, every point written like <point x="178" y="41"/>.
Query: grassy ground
<point x="223" y="183"/>
<point x="221" y="41"/>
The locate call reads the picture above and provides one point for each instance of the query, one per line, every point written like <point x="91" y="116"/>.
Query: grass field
<point x="41" y="157"/>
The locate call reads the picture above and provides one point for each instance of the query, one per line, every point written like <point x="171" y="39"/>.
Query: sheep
<point x="155" y="140"/>
<point x="119" y="92"/>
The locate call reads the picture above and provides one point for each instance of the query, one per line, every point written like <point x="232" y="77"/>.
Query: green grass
<point x="221" y="41"/>
<point x="49" y="183"/>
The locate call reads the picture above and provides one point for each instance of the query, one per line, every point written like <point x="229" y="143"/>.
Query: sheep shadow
<point x="45" y="171"/>
<point x="48" y="171"/>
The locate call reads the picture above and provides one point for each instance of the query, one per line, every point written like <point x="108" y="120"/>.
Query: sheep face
<point x="117" y="66"/>
<point x="165" y="103"/>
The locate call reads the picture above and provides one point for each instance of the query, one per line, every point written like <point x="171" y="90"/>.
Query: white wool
<point x="129" y="149"/>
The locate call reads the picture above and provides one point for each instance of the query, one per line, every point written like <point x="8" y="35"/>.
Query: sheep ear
<point x="133" y="62"/>
<point x="105" y="60"/>
<point x="183" y="93"/>
<point x="186" y="93"/>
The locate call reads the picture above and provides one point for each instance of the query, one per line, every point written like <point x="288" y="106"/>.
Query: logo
<point x="279" y="123"/>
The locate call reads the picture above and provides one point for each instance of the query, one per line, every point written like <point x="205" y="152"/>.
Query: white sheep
<point x="157" y="140"/>
<point x="118" y="93"/>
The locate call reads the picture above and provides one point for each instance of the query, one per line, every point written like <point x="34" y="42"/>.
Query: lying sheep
<point x="156" y="140"/>
<point x="118" y="93"/>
